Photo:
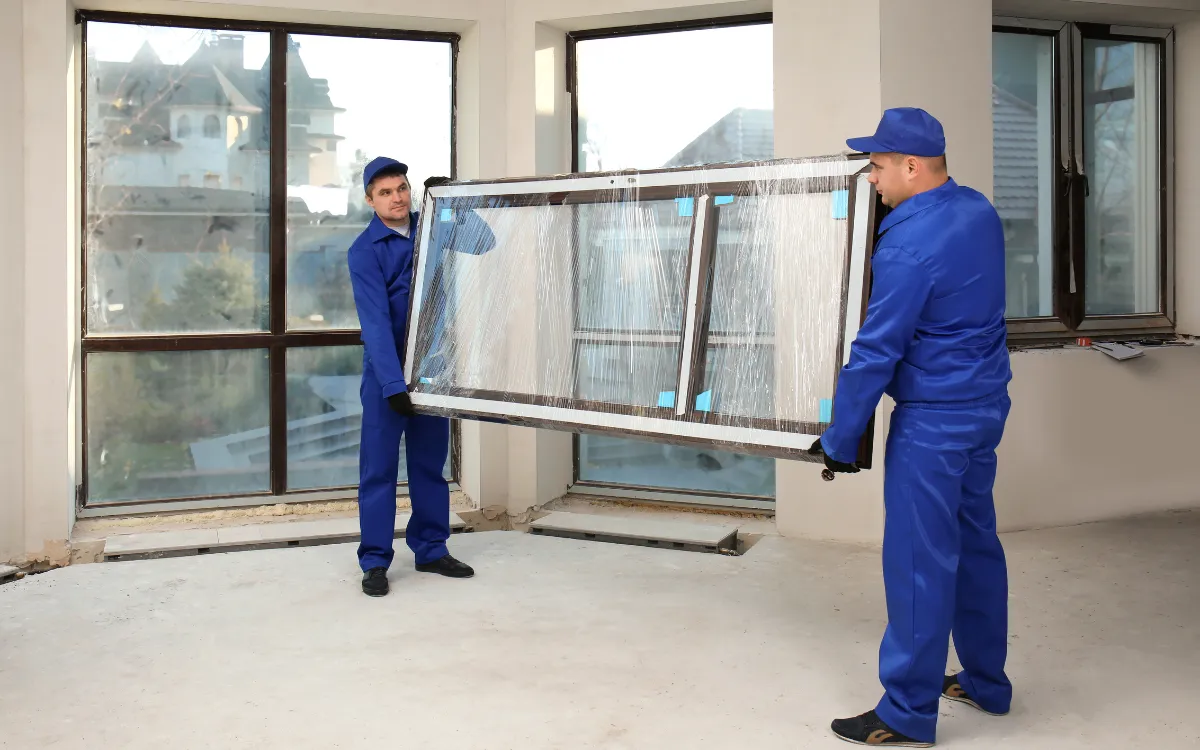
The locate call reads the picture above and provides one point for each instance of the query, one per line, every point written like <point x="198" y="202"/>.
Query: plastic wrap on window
<point x="712" y="305"/>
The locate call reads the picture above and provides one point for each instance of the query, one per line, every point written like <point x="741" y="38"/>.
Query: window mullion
<point x="278" y="259"/>
<point x="1072" y="284"/>
<point x="696" y="304"/>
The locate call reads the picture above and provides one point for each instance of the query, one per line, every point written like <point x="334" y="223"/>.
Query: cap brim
<point x="867" y="146"/>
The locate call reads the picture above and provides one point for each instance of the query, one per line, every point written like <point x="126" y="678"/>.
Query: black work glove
<point x="433" y="182"/>
<point x="402" y="404"/>
<point x="833" y="465"/>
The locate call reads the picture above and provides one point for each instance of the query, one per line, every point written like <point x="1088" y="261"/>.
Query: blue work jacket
<point x="381" y="275"/>
<point x="934" y="330"/>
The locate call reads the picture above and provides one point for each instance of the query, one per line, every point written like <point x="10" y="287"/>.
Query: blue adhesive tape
<point x="447" y="214"/>
<point x="826" y="410"/>
<point x="722" y="200"/>
<point x="427" y="381"/>
<point x="704" y="401"/>
<point x="685" y="206"/>
<point x="666" y="400"/>
<point x="841" y="204"/>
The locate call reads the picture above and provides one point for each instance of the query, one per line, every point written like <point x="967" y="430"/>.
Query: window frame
<point x="699" y="184"/>
<point x="1069" y="319"/>
<point x="277" y="339"/>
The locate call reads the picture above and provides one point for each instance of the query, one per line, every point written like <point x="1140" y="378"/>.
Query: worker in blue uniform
<point x="934" y="339"/>
<point x="381" y="274"/>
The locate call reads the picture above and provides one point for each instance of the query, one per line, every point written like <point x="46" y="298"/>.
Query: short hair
<point x="937" y="162"/>
<point x="388" y="171"/>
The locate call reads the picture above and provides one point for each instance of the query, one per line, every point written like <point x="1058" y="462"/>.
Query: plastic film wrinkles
<point x="580" y="300"/>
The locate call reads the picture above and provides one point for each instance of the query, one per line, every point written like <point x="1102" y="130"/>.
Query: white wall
<point x="12" y="284"/>
<point x="1091" y="438"/>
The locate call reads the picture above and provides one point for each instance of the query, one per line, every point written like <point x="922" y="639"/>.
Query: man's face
<point x="390" y="198"/>
<point x="891" y="176"/>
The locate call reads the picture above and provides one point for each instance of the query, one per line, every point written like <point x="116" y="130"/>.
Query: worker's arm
<point x="375" y="318"/>
<point x="901" y="286"/>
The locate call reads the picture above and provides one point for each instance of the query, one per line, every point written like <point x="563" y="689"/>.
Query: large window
<point x="1082" y="128"/>
<point x="661" y="257"/>
<point x="671" y="120"/>
<point x="223" y="189"/>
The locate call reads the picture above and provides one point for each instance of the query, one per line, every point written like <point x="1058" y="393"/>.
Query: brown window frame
<point x="1069" y="319"/>
<point x="277" y="340"/>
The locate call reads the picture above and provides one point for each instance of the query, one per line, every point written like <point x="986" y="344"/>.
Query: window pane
<point x="639" y="463"/>
<point x="631" y="262"/>
<point x="177" y="183"/>
<point x="723" y="115"/>
<point x="324" y="415"/>
<point x="1121" y="146"/>
<point x="1024" y="152"/>
<point x="176" y="424"/>
<point x="324" y="412"/>
<point x="622" y="374"/>
<point x="338" y="121"/>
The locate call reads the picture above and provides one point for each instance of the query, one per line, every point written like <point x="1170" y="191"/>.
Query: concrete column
<point x="517" y="468"/>
<point x="50" y="238"/>
<point x="483" y="153"/>
<point x="12" y="284"/>
<point x="837" y="67"/>
<point x="1187" y="178"/>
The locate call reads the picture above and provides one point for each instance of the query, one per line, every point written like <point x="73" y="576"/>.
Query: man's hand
<point x="835" y="466"/>
<point x="433" y="182"/>
<point x="402" y="404"/>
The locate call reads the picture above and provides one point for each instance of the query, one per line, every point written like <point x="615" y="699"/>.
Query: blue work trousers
<point x="943" y="566"/>
<point x="428" y="440"/>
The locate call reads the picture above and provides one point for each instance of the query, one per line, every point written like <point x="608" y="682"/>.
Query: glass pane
<point x="177" y="180"/>
<point x="632" y="257"/>
<point x="324" y="415"/>
<point x="624" y="262"/>
<point x="324" y="412"/>
<point x="639" y="463"/>
<point x="623" y="374"/>
<point x="1121" y="146"/>
<point x="1024" y="153"/>
<point x="176" y="424"/>
<point x="724" y="115"/>
<point x="338" y="121"/>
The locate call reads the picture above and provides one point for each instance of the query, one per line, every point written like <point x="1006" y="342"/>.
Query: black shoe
<point x="869" y="729"/>
<point x="375" y="582"/>
<point x="447" y="566"/>
<point x="953" y="691"/>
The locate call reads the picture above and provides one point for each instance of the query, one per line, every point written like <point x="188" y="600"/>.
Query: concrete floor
<point x="565" y="644"/>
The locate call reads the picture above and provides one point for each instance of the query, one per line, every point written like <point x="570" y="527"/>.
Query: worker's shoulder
<point x="363" y="242"/>
<point x="970" y="199"/>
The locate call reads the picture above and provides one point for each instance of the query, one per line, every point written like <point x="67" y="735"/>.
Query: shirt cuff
<point x="837" y="452"/>
<point x="391" y="389"/>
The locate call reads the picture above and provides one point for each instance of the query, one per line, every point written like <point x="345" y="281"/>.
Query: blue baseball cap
<point x="377" y="164"/>
<point x="904" y="130"/>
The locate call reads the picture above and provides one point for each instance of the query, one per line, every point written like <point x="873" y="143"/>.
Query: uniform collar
<point x="377" y="230"/>
<point x="917" y="204"/>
